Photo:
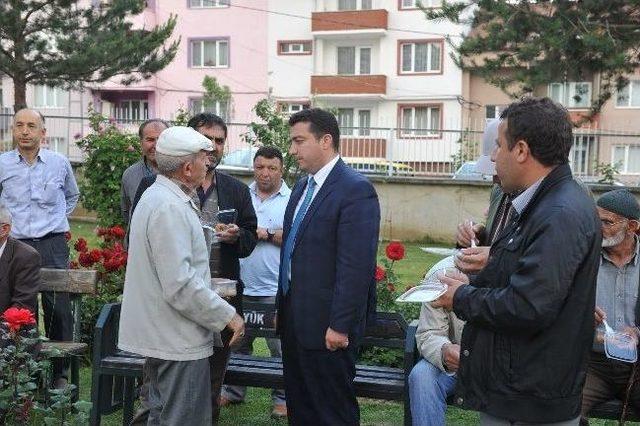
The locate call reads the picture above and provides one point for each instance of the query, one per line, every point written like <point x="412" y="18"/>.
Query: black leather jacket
<point x="530" y="312"/>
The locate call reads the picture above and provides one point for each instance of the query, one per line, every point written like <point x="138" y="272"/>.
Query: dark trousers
<point x="58" y="320"/>
<point x="608" y="379"/>
<point x="318" y="383"/>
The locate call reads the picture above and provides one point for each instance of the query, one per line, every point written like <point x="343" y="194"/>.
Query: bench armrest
<point x="410" y="350"/>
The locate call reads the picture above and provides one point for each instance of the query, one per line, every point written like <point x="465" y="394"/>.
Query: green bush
<point x="109" y="152"/>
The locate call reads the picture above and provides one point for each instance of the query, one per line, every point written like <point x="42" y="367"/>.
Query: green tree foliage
<point x="214" y="92"/>
<point x="273" y="131"/>
<point x="545" y="41"/>
<point x="109" y="152"/>
<point x="67" y="43"/>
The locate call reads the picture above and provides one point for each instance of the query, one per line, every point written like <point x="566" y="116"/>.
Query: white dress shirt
<point x="320" y="176"/>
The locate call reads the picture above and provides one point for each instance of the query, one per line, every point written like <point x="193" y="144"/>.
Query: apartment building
<point x="380" y="65"/>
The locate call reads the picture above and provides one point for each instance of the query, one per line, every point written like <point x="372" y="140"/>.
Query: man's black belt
<point x="44" y="237"/>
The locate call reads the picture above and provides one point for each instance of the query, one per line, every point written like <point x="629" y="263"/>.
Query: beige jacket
<point x="169" y="310"/>
<point x="437" y="327"/>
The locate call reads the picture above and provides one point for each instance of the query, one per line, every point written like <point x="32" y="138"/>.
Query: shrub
<point x="109" y="152"/>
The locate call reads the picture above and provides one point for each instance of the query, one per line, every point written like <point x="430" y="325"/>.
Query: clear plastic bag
<point x="620" y="346"/>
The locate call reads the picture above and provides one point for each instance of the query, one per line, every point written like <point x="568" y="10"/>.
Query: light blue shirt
<point x="259" y="271"/>
<point x="39" y="196"/>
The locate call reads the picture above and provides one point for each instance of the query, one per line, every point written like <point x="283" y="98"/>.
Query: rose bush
<point x="24" y="376"/>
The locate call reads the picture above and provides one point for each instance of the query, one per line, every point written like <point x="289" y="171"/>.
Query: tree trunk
<point x="19" y="94"/>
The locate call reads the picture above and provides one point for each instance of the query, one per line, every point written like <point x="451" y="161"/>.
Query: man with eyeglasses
<point x="39" y="189"/>
<point x="19" y="269"/>
<point x="616" y="300"/>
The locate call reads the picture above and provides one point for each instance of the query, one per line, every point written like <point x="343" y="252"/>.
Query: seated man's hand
<point x="451" y="357"/>
<point x="472" y="260"/>
<point x="262" y="234"/>
<point x="599" y="316"/>
<point x="335" y="340"/>
<point x="466" y="232"/>
<point x="237" y="326"/>
<point x="453" y="279"/>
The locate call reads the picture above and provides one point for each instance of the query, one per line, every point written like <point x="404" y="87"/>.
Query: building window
<point x="210" y="53"/>
<point x="355" y="4"/>
<point x="582" y="155"/>
<point x="571" y="94"/>
<point x="354" y="60"/>
<point x="628" y="156"/>
<point x="56" y="143"/>
<point x="629" y="95"/>
<point x="413" y="4"/>
<point x="421" y="57"/>
<point x="295" y="47"/>
<point x="48" y="97"/>
<point x="221" y="109"/>
<point x="131" y="110"/>
<point x="493" y="111"/>
<point x="197" y="4"/>
<point x="423" y="120"/>
<point x="354" y="122"/>
<point x="291" y="108"/>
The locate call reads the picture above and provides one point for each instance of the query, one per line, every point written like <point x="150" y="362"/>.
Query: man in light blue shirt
<point x="39" y="189"/>
<point x="259" y="271"/>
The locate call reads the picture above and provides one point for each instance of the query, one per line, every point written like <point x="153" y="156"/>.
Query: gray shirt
<point x="131" y="179"/>
<point x="617" y="292"/>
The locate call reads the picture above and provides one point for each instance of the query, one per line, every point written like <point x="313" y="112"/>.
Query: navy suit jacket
<point x="334" y="258"/>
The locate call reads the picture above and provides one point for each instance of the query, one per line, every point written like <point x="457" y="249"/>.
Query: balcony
<point x="354" y="21"/>
<point x="349" y="85"/>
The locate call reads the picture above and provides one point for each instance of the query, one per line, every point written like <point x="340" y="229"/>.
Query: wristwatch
<point x="270" y="234"/>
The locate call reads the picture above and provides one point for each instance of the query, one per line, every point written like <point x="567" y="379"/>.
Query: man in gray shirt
<point x="147" y="166"/>
<point x="616" y="299"/>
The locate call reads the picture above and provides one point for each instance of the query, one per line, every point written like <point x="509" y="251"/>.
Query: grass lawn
<point x="256" y="411"/>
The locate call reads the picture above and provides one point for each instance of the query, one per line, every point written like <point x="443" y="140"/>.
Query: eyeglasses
<point x="608" y="223"/>
<point x="219" y="141"/>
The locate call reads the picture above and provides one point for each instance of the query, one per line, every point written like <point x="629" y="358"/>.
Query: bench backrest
<point x="388" y="331"/>
<point x="76" y="281"/>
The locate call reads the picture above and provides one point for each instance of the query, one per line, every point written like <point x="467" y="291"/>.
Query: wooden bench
<point x="76" y="282"/>
<point x="115" y="371"/>
<point x="608" y="410"/>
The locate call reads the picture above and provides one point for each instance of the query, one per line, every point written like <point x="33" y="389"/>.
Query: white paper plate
<point x="441" y="251"/>
<point x="422" y="293"/>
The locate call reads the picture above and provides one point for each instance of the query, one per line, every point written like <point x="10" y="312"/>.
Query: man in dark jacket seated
<point x="19" y="270"/>
<point x="529" y="312"/>
<point x="616" y="300"/>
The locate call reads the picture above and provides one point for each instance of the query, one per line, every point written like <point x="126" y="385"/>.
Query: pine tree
<point x="67" y="43"/>
<point x="538" y="42"/>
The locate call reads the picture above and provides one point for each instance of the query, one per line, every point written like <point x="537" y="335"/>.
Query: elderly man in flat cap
<point x="616" y="300"/>
<point x="170" y="314"/>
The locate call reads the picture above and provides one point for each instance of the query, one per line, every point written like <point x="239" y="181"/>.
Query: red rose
<point x="380" y="273"/>
<point x="117" y="232"/>
<point x="95" y="255"/>
<point x="85" y="259"/>
<point x="102" y="231"/>
<point x="110" y="265"/>
<point x="67" y="236"/>
<point x="17" y="317"/>
<point x="80" y="245"/>
<point x="391" y="287"/>
<point x="118" y="248"/>
<point x="74" y="265"/>
<point x="395" y="251"/>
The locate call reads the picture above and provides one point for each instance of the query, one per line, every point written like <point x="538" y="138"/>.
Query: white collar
<point x="2" y="247"/>
<point x="321" y="175"/>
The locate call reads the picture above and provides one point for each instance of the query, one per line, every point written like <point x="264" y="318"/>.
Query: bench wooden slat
<point x="66" y="348"/>
<point x="77" y="281"/>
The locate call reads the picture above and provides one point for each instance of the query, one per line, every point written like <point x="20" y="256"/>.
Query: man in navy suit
<point x="326" y="288"/>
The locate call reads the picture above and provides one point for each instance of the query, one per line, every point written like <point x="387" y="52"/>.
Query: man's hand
<point x="599" y="315"/>
<point x="467" y="231"/>
<point x="451" y="357"/>
<point x="335" y="340"/>
<point x="237" y="326"/>
<point x="472" y="260"/>
<point x="229" y="235"/>
<point x="262" y="234"/>
<point x="453" y="280"/>
<point x="277" y="237"/>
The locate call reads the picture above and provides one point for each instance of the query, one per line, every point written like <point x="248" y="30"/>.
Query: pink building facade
<point x="216" y="39"/>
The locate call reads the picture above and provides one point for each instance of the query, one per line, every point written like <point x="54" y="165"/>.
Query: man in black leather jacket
<point x="529" y="312"/>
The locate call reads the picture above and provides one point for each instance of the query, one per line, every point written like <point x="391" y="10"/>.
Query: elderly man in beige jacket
<point x="169" y="313"/>
<point x="433" y="379"/>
